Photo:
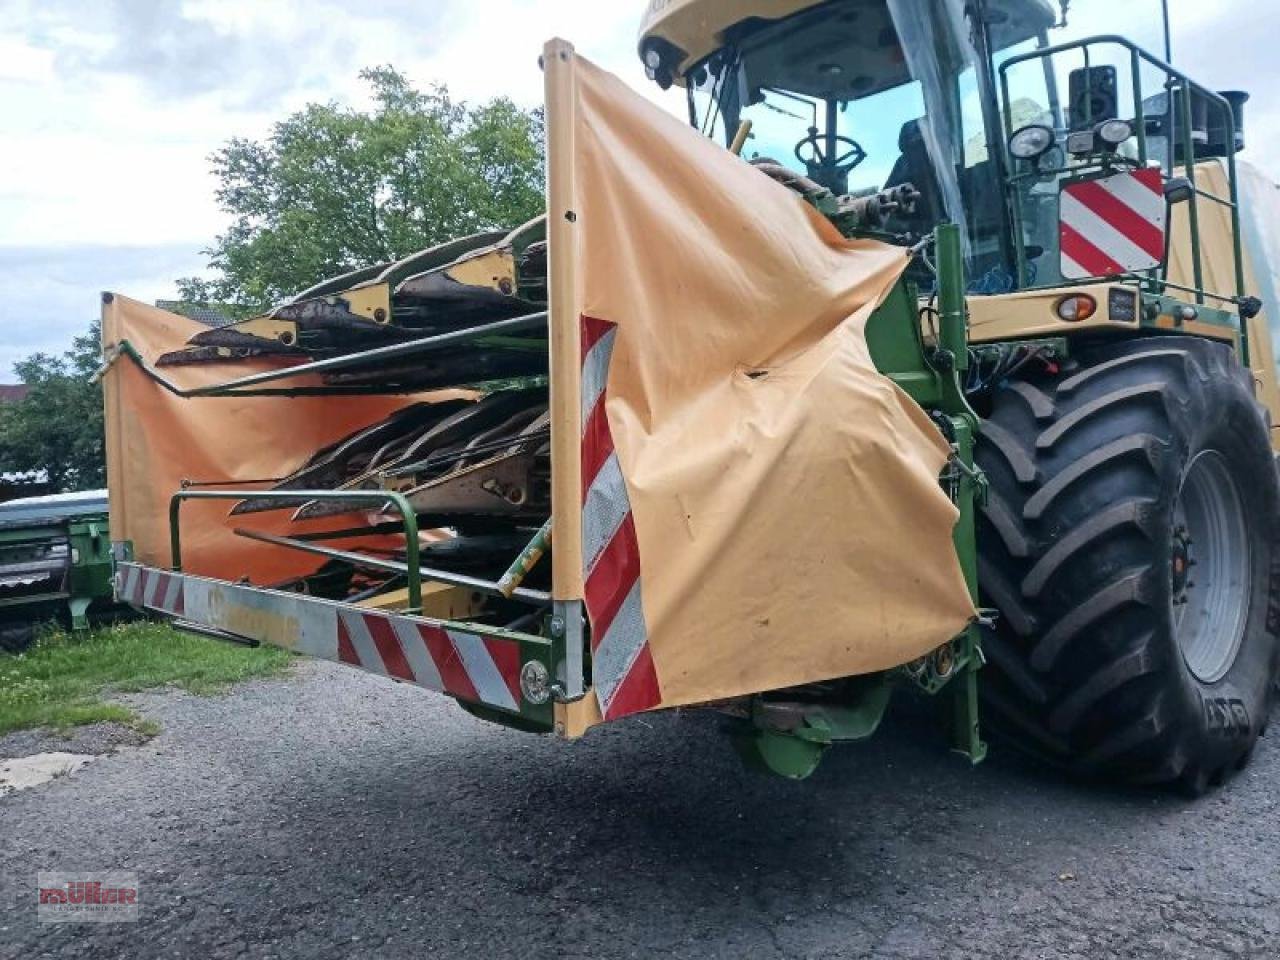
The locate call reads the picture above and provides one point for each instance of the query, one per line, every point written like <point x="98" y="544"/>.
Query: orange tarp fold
<point x="761" y="508"/>
<point x="155" y="440"/>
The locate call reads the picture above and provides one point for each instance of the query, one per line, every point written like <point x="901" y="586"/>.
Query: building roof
<point x="61" y="506"/>
<point x="13" y="392"/>
<point x="200" y="313"/>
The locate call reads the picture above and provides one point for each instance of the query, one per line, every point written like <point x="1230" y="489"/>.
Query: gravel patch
<point x="335" y="814"/>
<point x="94" y="739"/>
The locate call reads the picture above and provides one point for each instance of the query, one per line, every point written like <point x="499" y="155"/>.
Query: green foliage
<point x="333" y="188"/>
<point x="60" y="682"/>
<point x="57" y="428"/>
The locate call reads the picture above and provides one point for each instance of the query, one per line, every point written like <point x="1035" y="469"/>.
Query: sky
<point x="112" y="108"/>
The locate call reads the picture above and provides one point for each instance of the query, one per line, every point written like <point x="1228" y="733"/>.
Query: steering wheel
<point x="816" y="157"/>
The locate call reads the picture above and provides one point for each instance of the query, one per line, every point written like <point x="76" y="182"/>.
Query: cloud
<point x="175" y="53"/>
<point x="249" y="54"/>
<point x="118" y="104"/>
<point x="50" y="294"/>
<point x="1236" y="51"/>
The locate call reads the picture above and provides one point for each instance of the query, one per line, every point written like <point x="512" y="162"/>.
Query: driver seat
<point x="915" y="167"/>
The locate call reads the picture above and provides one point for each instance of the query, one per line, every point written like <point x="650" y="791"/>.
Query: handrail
<point x="1115" y="38"/>
<point x="1179" y="86"/>
<point x="380" y="497"/>
<point x="538" y="597"/>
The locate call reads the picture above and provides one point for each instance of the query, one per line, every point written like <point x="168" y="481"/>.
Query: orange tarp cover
<point x="155" y="440"/>
<point x="761" y="508"/>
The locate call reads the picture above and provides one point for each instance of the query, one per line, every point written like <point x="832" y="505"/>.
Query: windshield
<point x="863" y="96"/>
<point x="786" y="127"/>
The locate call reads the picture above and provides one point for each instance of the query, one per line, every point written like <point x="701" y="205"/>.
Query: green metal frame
<point x="537" y="717"/>
<point x="795" y="752"/>
<point x="968" y="485"/>
<point x="930" y="373"/>
<point x="88" y="577"/>
<point x="381" y="498"/>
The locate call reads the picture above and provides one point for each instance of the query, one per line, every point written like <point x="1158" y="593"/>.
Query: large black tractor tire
<point x="1129" y="543"/>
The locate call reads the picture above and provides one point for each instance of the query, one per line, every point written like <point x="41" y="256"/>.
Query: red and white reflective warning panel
<point x="622" y="669"/>
<point x="1112" y="226"/>
<point x="471" y="666"/>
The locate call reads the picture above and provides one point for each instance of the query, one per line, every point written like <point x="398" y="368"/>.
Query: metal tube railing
<point x="509" y="582"/>
<point x="952" y="317"/>
<point x="395" y="566"/>
<point x="1193" y="204"/>
<point x="1135" y="64"/>
<point x="1214" y="197"/>
<point x="1178" y="93"/>
<point x="379" y="497"/>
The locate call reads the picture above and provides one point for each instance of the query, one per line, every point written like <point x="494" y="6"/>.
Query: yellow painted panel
<point x="1218" y="264"/>
<point x="697" y="26"/>
<point x="495" y="269"/>
<point x="267" y="328"/>
<point x="565" y="307"/>
<point x="372" y="302"/>
<point x="439" y="601"/>
<point x="1015" y="316"/>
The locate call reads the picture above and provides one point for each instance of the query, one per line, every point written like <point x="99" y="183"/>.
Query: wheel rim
<point x="1209" y="567"/>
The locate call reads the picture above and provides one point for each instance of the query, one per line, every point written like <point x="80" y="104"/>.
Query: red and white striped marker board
<point x="1113" y="225"/>
<point x="435" y="655"/>
<point x="622" y="669"/>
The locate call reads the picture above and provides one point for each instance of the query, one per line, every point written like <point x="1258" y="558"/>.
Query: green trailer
<point x="55" y="563"/>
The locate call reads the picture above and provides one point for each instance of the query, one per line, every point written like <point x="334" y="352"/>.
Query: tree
<point x="333" y="188"/>
<point x="57" y="427"/>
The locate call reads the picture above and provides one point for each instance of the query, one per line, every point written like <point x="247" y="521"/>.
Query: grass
<point x="64" y="679"/>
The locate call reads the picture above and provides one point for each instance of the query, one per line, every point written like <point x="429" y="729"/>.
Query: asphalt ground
<point x="334" y="814"/>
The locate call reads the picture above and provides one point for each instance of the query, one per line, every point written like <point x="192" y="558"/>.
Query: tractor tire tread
<point x="1084" y="468"/>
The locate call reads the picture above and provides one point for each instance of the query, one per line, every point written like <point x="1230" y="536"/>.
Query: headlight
<point x="1114" y="132"/>
<point x="1081" y="143"/>
<point x="661" y="60"/>
<point x="1031" y="142"/>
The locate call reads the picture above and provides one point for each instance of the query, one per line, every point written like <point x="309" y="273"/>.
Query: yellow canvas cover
<point x="756" y="506"/>
<point x="156" y="440"/>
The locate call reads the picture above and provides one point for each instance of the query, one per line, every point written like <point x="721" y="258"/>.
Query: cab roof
<point x="854" y="54"/>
